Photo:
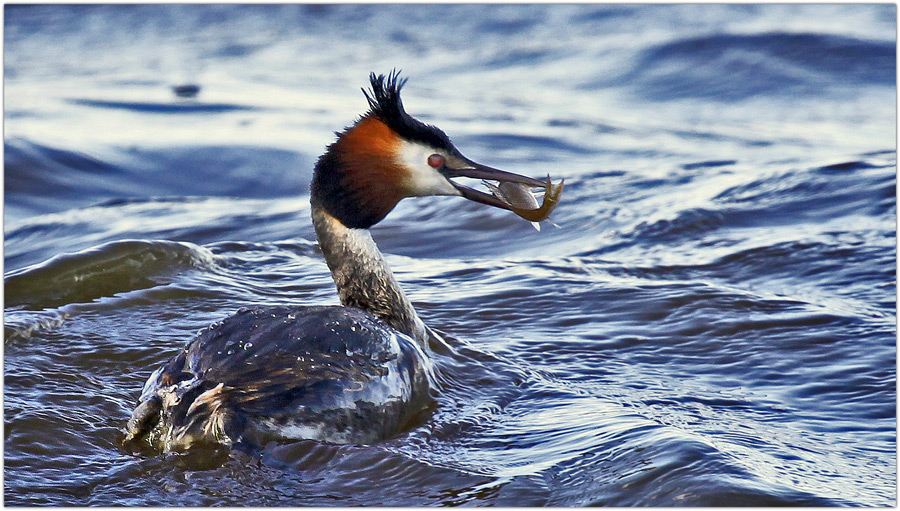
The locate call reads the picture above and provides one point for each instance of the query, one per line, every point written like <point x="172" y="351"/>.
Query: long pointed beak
<point x="460" y="166"/>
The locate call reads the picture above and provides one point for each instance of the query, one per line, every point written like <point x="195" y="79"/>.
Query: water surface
<point x="712" y="321"/>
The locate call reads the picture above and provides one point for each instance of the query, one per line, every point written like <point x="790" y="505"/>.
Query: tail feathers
<point x="144" y="418"/>
<point x="210" y="418"/>
<point x="181" y="420"/>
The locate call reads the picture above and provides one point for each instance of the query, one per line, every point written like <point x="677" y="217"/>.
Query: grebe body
<point x="334" y="374"/>
<point x="355" y="373"/>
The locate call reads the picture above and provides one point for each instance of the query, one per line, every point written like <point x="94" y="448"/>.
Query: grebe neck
<point x="362" y="276"/>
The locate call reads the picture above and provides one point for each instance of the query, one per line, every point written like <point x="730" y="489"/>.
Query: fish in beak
<point x="512" y="192"/>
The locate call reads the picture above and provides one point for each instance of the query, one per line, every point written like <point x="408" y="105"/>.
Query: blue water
<point x="712" y="320"/>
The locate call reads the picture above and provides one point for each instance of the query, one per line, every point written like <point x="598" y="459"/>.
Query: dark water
<point x="712" y="323"/>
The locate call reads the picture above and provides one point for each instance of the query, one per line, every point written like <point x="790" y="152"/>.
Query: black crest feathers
<point x="384" y="99"/>
<point x="386" y="106"/>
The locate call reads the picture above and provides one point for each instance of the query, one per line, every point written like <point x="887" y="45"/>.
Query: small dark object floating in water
<point x="187" y="90"/>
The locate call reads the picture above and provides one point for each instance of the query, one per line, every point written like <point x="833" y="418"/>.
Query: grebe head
<point x="388" y="155"/>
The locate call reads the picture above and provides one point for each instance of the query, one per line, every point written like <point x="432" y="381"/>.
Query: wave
<point x="163" y="107"/>
<point x="733" y="67"/>
<point x="845" y="191"/>
<point x="101" y="271"/>
<point x="42" y="179"/>
<point x="823" y="193"/>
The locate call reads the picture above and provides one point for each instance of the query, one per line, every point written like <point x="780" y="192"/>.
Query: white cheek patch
<point x="421" y="178"/>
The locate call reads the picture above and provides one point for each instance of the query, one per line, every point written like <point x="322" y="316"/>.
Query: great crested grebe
<point x="353" y="373"/>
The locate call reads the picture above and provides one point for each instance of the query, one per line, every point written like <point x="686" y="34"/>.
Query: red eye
<point x="435" y="161"/>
